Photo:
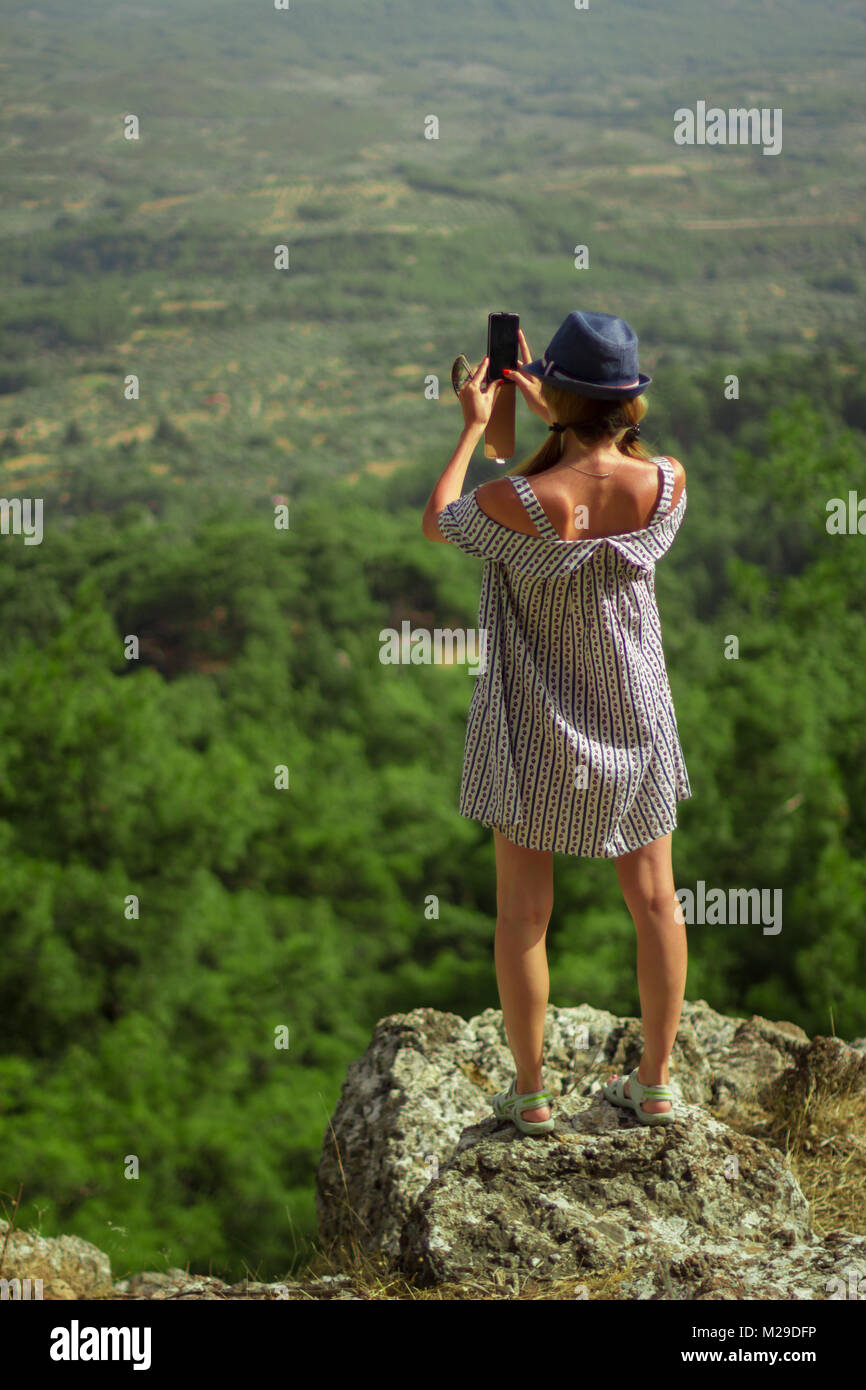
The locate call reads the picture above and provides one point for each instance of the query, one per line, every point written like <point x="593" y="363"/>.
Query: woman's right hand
<point x="530" y="386"/>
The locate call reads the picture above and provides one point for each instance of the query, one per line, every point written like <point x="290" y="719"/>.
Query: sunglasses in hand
<point x="461" y="371"/>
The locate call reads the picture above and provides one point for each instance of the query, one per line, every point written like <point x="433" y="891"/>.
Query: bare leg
<point x="524" y="902"/>
<point x="647" y="882"/>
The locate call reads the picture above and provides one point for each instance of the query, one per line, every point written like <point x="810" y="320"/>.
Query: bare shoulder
<point x="498" y="499"/>
<point x="679" y="480"/>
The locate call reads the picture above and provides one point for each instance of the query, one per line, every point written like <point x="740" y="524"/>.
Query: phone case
<point x="499" y="432"/>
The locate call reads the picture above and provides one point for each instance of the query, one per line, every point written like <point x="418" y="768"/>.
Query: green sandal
<point x="508" y="1106"/>
<point x="614" y="1091"/>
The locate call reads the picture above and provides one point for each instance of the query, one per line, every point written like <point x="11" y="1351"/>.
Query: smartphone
<point x="502" y="345"/>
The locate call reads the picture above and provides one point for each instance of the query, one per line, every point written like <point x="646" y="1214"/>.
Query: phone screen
<point x="501" y="343"/>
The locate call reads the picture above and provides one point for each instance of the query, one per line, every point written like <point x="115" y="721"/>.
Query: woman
<point x="572" y="743"/>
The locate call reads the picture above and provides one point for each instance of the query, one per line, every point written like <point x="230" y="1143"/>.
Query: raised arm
<point x="477" y="402"/>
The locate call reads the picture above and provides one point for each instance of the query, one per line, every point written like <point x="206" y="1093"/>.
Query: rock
<point x="814" y="1269"/>
<point x="601" y="1193"/>
<point x="177" y="1284"/>
<point x="427" y="1075"/>
<point x="695" y="1210"/>
<point x="402" y="1109"/>
<point x="756" y="1055"/>
<point x="68" y="1266"/>
<point x="829" y="1065"/>
<point x="172" y="1284"/>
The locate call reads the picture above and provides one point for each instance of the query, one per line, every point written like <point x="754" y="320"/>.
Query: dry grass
<point x="816" y="1116"/>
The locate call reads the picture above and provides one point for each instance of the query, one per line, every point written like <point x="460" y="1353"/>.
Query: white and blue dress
<point x="571" y="741"/>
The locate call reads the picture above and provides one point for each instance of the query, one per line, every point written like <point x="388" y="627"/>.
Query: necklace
<point x="591" y="475"/>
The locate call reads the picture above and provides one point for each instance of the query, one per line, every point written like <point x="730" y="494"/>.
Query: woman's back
<point x="581" y="507"/>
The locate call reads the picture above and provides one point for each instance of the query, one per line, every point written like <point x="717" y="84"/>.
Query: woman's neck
<point x="588" y="455"/>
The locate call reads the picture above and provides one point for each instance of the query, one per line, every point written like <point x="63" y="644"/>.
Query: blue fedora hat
<point x="592" y="354"/>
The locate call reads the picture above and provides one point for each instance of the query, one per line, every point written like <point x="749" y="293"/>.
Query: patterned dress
<point x="571" y="741"/>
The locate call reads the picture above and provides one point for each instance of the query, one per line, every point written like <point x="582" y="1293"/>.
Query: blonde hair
<point x="591" y="420"/>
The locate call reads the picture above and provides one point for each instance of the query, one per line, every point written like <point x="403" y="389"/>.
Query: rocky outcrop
<point x="700" y="1209"/>
<point x="416" y="1170"/>
<point x="66" y="1266"/>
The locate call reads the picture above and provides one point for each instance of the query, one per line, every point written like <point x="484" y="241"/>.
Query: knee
<point x="661" y="905"/>
<point x="527" y="919"/>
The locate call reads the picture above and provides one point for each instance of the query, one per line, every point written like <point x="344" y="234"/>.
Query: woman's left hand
<point x="476" y="400"/>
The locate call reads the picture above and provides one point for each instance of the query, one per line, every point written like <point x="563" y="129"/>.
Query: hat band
<point x="552" y="370"/>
